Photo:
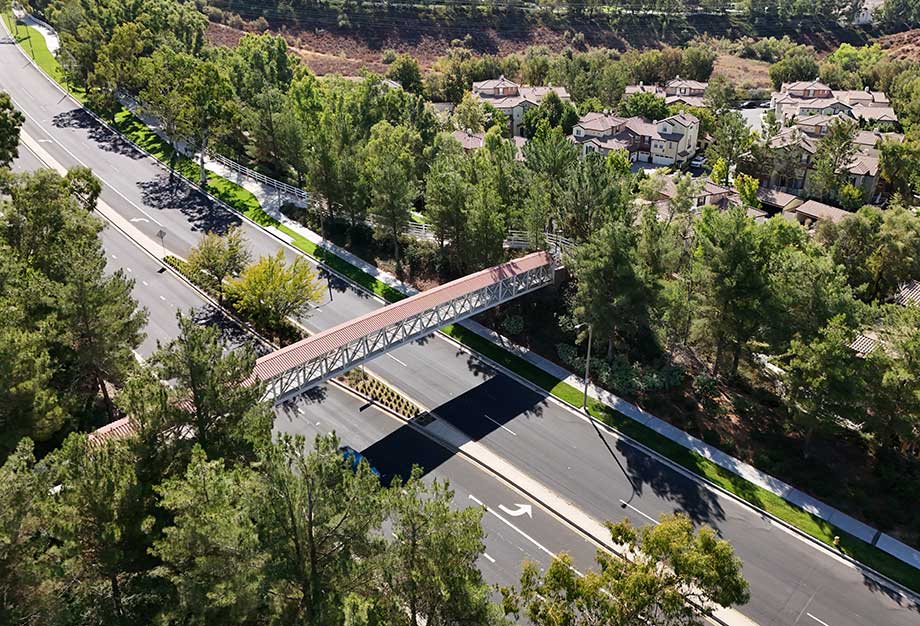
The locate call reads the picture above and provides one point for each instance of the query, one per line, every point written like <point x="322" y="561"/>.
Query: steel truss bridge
<point x="294" y="369"/>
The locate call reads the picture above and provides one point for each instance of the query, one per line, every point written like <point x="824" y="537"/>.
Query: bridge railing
<point x="294" y="369"/>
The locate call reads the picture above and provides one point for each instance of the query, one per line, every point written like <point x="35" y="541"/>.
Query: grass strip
<point x="33" y="42"/>
<point x="243" y="201"/>
<point x="814" y="526"/>
<point x="246" y="203"/>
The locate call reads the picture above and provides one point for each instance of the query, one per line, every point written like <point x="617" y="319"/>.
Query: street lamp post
<point x="584" y="401"/>
<point x="322" y="246"/>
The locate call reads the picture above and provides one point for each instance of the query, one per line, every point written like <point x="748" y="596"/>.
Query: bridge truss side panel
<point x="352" y="354"/>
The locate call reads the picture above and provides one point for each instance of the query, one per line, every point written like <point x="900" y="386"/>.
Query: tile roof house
<point x="473" y="141"/>
<point x="811" y="98"/>
<point x="662" y="142"/>
<point x="800" y="142"/>
<point x="811" y="211"/>
<point x="513" y="99"/>
<point x="676" y="91"/>
<point x="908" y="294"/>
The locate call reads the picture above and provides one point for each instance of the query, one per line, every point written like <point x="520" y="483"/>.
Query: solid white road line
<point x="519" y="531"/>
<point x="486" y="554"/>
<point x="822" y="622"/>
<point x="80" y="161"/>
<point x="397" y="360"/>
<point x="648" y="517"/>
<point x="499" y="424"/>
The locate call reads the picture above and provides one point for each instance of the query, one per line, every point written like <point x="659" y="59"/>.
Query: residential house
<point x="795" y="148"/>
<point x="473" y="141"/>
<point x="513" y="99"/>
<point x="670" y="141"/>
<point x="774" y="201"/>
<point x="676" y="91"/>
<point x="813" y="98"/>
<point x="811" y="211"/>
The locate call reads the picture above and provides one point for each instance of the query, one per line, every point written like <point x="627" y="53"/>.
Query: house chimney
<point x="866" y="88"/>
<point x="677" y="77"/>
<point x="640" y="83"/>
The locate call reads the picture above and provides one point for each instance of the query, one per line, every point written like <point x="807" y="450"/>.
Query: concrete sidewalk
<point x="272" y="200"/>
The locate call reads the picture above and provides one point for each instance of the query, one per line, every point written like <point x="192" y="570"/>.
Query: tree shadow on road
<point x="163" y="194"/>
<point x="687" y="495"/>
<point x="101" y="135"/>
<point x="231" y="334"/>
<point x="899" y="598"/>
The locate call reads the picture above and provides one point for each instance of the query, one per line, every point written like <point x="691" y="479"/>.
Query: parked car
<point x="698" y="162"/>
<point x="354" y="458"/>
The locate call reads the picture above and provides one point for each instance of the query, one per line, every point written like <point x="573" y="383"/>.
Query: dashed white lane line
<point x="519" y="531"/>
<point x="129" y="269"/>
<point x="75" y="158"/>
<point x="822" y="622"/>
<point x="500" y="425"/>
<point x="648" y="517"/>
<point x="397" y="360"/>
<point x="163" y="298"/>
<point x="486" y="554"/>
<point x="145" y="283"/>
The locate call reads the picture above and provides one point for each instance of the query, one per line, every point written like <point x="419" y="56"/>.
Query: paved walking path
<point x="271" y="201"/>
<point x="48" y="33"/>
<point x="272" y="198"/>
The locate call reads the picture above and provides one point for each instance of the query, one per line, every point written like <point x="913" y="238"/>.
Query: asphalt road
<point x="389" y="444"/>
<point x="792" y="581"/>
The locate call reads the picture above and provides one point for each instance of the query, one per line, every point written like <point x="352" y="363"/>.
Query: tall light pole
<point x="584" y="401"/>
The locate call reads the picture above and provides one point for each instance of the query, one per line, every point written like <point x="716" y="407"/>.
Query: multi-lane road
<point x="516" y="528"/>
<point x="792" y="580"/>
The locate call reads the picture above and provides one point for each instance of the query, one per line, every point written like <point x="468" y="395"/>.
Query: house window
<point x="577" y="132"/>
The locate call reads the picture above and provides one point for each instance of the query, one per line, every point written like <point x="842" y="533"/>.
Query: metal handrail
<point x="515" y="239"/>
<point x="262" y="178"/>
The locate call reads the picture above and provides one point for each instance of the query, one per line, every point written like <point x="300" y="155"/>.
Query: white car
<point x="698" y="162"/>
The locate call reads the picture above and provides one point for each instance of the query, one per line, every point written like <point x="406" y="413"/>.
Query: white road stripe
<point x="145" y="283"/>
<point x="822" y="622"/>
<point x="499" y="425"/>
<point x="648" y="517"/>
<point x="486" y="554"/>
<point x="397" y="360"/>
<point x="519" y="531"/>
<point x="162" y="298"/>
<point x="78" y="160"/>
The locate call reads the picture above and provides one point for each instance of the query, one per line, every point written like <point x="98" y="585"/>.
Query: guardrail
<point x="556" y="244"/>
<point x="262" y="178"/>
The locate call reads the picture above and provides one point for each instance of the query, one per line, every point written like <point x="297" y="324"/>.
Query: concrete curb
<point x="893" y="585"/>
<point x="281" y="237"/>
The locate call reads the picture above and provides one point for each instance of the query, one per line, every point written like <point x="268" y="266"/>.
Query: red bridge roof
<point x="307" y="349"/>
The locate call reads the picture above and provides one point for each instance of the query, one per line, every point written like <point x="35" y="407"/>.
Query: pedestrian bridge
<point x="311" y="361"/>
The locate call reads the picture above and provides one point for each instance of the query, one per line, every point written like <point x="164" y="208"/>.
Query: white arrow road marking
<point x="823" y="623"/>
<point x="522" y="509"/>
<point x="139" y="219"/>
<point x="519" y="531"/>
<point x="500" y="425"/>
